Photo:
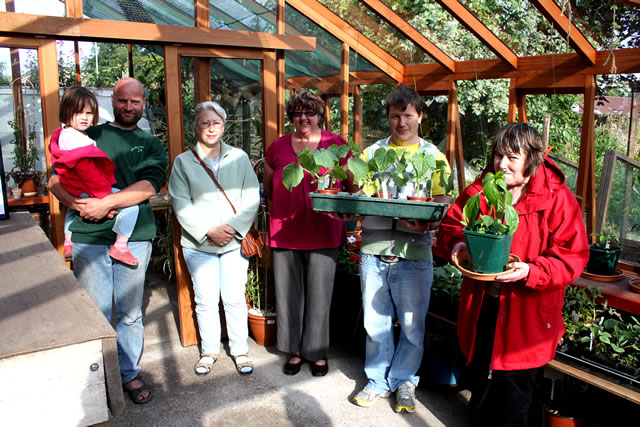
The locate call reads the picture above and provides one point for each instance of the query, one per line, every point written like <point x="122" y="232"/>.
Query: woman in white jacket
<point x="212" y="231"/>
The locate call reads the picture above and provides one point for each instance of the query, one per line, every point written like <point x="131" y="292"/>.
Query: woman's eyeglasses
<point x="306" y="113"/>
<point x="208" y="124"/>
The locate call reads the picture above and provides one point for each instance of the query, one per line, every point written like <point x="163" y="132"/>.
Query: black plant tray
<point x="348" y="203"/>
<point x="600" y="370"/>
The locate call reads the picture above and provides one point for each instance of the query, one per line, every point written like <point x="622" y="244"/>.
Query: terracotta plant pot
<point x="333" y="191"/>
<point x="552" y="419"/>
<point x="28" y="187"/>
<point x="418" y="198"/>
<point x="381" y="196"/>
<point x="264" y="329"/>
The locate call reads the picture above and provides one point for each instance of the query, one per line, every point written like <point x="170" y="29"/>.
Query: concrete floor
<point x="267" y="397"/>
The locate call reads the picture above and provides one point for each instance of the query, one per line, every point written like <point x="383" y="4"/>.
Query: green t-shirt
<point x="138" y="155"/>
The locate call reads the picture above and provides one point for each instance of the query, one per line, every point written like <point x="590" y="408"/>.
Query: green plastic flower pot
<point x="603" y="262"/>
<point x="488" y="253"/>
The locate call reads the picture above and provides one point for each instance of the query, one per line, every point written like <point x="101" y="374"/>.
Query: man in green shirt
<point x="141" y="164"/>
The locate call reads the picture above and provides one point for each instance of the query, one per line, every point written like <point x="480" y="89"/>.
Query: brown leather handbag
<point x="252" y="243"/>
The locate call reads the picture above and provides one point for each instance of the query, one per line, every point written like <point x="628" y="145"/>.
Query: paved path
<point x="267" y="397"/>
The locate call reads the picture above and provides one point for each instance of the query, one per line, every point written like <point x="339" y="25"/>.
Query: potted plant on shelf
<point x="604" y="254"/>
<point x="262" y="315"/>
<point x="24" y="160"/>
<point x="488" y="237"/>
<point x="323" y="164"/>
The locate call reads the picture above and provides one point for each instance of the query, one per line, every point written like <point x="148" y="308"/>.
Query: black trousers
<point x="498" y="398"/>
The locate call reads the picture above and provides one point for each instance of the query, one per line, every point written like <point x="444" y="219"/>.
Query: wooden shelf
<point x="28" y="201"/>
<point x="596" y="381"/>
<point x="618" y="294"/>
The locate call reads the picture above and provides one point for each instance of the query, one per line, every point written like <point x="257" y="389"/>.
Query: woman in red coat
<point x="509" y="329"/>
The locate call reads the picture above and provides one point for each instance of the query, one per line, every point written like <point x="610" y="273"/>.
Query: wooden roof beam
<point x="561" y="66"/>
<point x="473" y="24"/>
<point x="566" y="28"/>
<point x="132" y="32"/>
<point x="340" y="29"/>
<point x="411" y="33"/>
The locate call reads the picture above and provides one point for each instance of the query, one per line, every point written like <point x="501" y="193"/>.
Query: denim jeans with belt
<point x="106" y="280"/>
<point x="215" y="276"/>
<point x="394" y="290"/>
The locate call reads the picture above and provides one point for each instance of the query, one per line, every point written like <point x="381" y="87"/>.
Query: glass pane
<point x="325" y="61"/>
<point x="244" y="15"/>
<point x="176" y="12"/>
<point x="623" y="212"/>
<point x="21" y="118"/>
<point x="441" y="29"/>
<point x="610" y="25"/>
<point x="236" y="84"/>
<point x="376" y="29"/>
<point x="47" y="8"/>
<point x="520" y="26"/>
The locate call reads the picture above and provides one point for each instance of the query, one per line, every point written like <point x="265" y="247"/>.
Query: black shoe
<point x="319" y="370"/>
<point x="292" y="368"/>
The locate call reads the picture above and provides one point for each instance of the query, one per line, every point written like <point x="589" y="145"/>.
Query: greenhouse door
<point x="243" y="82"/>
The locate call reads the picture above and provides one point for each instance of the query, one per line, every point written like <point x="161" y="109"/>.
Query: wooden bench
<point x="58" y="353"/>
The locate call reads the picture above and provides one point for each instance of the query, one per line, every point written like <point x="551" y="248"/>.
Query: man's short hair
<point x="403" y="96"/>
<point x="73" y="101"/>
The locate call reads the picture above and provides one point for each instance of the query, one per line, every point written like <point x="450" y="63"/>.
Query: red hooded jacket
<point x="82" y="170"/>
<point x="551" y="238"/>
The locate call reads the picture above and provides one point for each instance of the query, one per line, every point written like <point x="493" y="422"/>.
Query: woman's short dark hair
<point x="520" y="138"/>
<point x="73" y="101"/>
<point x="306" y="101"/>
<point x="403" y="96"/>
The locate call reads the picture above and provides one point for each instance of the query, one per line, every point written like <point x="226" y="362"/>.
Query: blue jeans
<point x="214" y="276"/>
<point x="394" y="291"/>
<point x="105" y="280"/>
<point x="125" y="220"/>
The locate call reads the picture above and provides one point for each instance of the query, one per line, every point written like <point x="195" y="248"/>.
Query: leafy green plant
<point x="424" y="165"/>
<point x="322" y="163"/>
<point x="503" y="217"/>
<point x="386" y="166"/>
<point x="606" y="241"/>
<point x="24" y="158"/>
<point x="257" y="289"/>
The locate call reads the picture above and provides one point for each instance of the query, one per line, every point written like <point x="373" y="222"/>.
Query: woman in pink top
<point x="304" y="243"/>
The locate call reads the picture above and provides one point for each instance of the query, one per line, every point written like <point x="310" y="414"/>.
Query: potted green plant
<point x="24" y="160"/>
<point x="423" y="166"/>
<point x="488" y="237"/>
<point x="604" y="254"/>
<point x="262" y="315"/>
<point x="323" y="164"/>
<point x="375" y="177"/>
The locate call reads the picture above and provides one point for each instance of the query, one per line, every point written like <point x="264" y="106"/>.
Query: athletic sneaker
<point x="406" y="397"/>
<point x="368" y="396"/>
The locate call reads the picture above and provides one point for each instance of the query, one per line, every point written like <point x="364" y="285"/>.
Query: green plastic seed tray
<point x="362" y="205"/>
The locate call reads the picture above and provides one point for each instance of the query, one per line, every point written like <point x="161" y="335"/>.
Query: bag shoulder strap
<point x="213" y="177"/>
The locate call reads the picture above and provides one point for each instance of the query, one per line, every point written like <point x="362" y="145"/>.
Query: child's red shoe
<point x="124" y="256"/>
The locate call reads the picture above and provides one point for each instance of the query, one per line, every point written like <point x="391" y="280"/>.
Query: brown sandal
<point x="243" y="368"/>
<point x="207" y="366"/>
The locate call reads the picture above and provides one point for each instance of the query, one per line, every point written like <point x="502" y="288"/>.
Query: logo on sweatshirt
<point x="137" y="148"/>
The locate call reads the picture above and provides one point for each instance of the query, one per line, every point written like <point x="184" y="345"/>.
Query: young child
<point x="85" y="171"/>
